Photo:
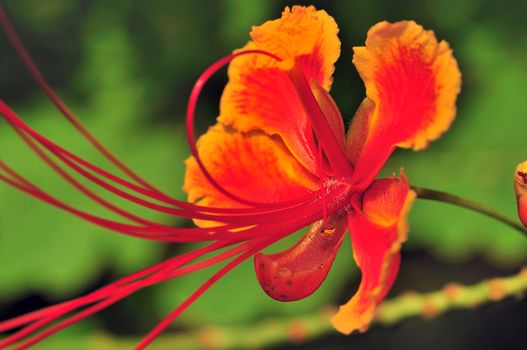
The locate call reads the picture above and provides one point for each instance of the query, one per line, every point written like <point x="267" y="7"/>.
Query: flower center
<point x="341" y="196"/>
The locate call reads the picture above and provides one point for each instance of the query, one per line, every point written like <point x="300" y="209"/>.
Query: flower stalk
<point x="439" y="196"/>
<point x="314" y="325"/>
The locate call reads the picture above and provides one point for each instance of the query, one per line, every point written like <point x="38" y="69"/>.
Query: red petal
<point x="298" y="271"/>
<point x="412" y="82"/>
<point x="377" y="234"/>
<point x="259" y="95"/>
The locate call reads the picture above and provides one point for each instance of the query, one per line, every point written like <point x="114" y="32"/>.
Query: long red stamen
<point x="276" y="231"/>
<point x="111" y="295"/>
<point x="144" y="188"/>
<point x="248" y="217"/>
<point x="308" y="213"/>
<point x="164" y="231"/>
<point x="245" y="230"/>
<point x="153" y="232"/>
<point x="78" y="185"/>
<point x="190" y="212"/>
<point x="202" y="289"/>
<point x="41" y="81"/>
<point x="20" y="126"/>
<point x="106" y="291"/>
<point x="117" y="291"/>
<point x="112" y="292"/>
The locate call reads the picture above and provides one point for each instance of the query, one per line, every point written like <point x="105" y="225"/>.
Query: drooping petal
<point x="520" y="188"/>
<point x="259" y="94"/>
<point x="377" y="234"/>
<point x="250" y="165"/>
<point x="412" y="82"/>
<point x="298" y="271"/>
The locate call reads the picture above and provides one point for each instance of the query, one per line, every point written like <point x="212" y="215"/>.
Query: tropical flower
<point x="278" y="160"/>
<point x="520" y="188"/>
<point x="280" y="136"/>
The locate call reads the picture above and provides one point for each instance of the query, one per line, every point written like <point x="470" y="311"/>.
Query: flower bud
<point x="520" y="188"/>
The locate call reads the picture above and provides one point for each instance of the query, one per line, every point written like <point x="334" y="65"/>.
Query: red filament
<point x="245" y="231"/>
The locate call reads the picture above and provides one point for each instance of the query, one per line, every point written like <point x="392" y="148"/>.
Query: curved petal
<point x="249" y="165"/>
<point x="298" y="271"/>
<point x="259" y="94"/>
<point x="412" y="82"/>
<point x="377" y="234"/>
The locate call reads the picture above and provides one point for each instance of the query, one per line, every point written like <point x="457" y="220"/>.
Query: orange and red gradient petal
<point x="377" y="234"/>
<point x="412" y="83"/>
<point x="520" y="188"/>
<point x="259" y="94"/>
<point x="249" y="165"/>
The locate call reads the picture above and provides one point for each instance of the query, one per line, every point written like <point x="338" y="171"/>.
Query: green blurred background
<point x="127" y="67"/>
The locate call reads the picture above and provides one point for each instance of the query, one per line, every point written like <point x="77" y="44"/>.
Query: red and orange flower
<point x="280" y="136"/>
<point x="278" y="160"/>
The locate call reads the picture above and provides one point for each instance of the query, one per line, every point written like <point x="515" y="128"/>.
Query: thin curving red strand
<point x="161" y="272"/>
<point x="247" y="217"/>
<point x="41" y="81"/>
<point x="202" y="289"/>
<point x="58" y="151"/>
<point x="275" y="220"/>
<point x="250" y="247"/>
<point x="37" y="75"/>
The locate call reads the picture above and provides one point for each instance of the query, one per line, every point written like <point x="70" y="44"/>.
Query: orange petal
<point x="249" y="165"/>
<point x="377" y="234"/>
<point x="412" y="82"/>
<point x="260" y="96"/>
<point x="520" y="188"/>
